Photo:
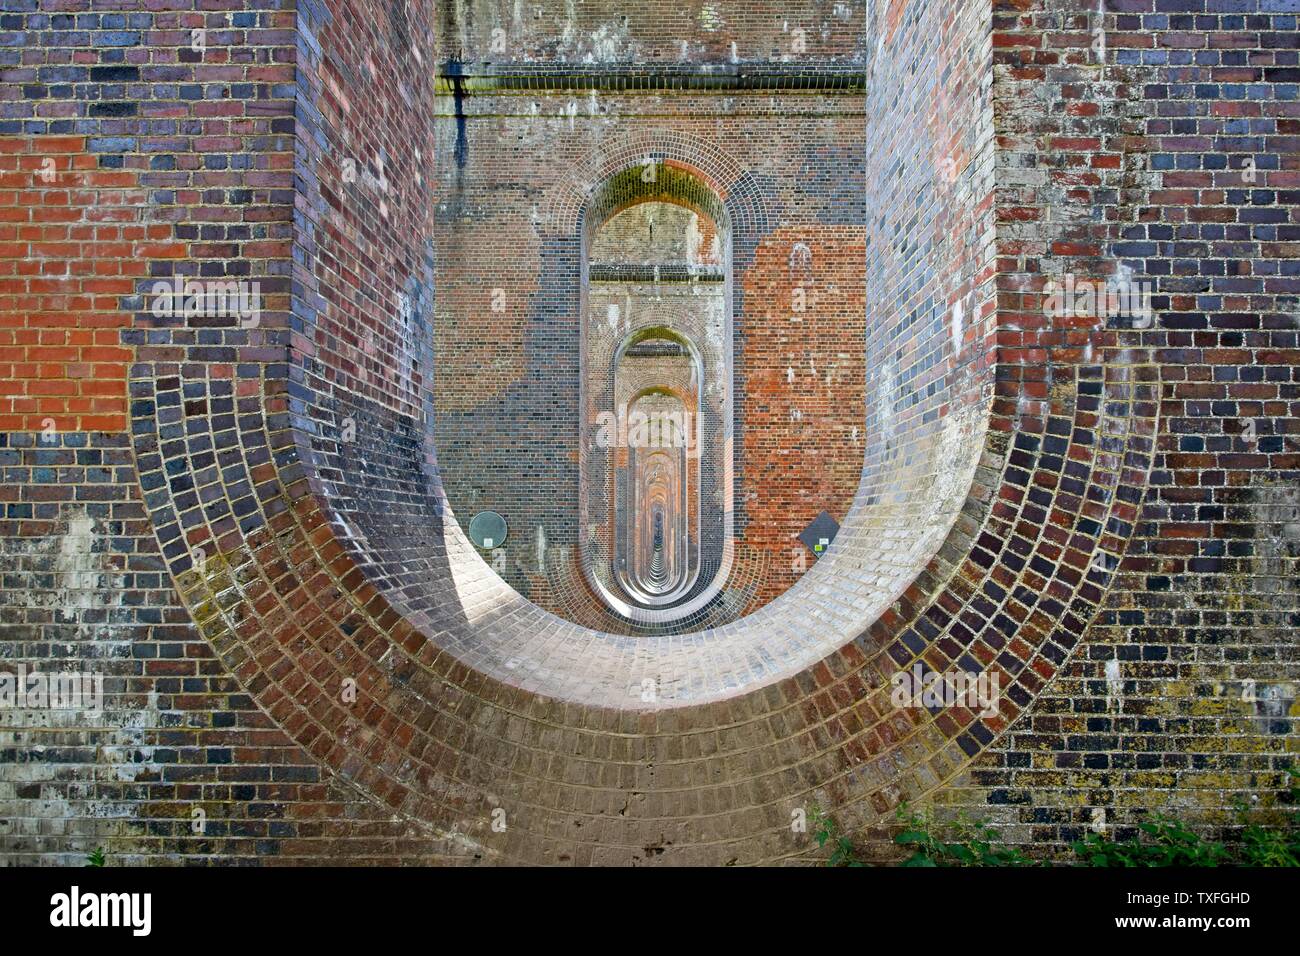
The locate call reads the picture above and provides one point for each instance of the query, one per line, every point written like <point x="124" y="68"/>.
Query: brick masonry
<point x="297" y="642"/>
<point x="1162" y="706"/>
<point x="74" y="246"/>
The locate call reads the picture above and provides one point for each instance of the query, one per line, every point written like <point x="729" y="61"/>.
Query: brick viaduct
<point x="253" y="523"/>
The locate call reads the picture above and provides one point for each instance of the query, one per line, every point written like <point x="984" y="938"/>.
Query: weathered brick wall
<point x="181" y="765"/>
<point x="163" y="160"/>
<point x="1137" y="155"/>
<point x="296" y="644"/>
<point x="500" y="31"/>
<point x="654" y="234"/>
<point x="128" y="156"/>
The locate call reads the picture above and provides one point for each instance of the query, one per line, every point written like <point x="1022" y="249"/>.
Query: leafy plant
<point x="1274" y="846"/>
<point x="827" y="831"/>
<point x="971" y="843"/>
<point x="1160" y="841"/>
<point x="96" y="858"/>
<point x="1167" y="843"/>
<point x="1163" y="841"/>
<point x="1264" y="846"/>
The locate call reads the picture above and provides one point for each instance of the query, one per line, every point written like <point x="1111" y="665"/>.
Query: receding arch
<point x="697" y="510"/>
<point x="568" y="202"/>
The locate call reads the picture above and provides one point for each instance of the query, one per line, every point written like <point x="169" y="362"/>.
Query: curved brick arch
<point x="285" y="630"/>
<point x="657" y="181"/>
<point x="308" y="586"/>
<point x="999" y="152"/>
<point x="719" y="172"/>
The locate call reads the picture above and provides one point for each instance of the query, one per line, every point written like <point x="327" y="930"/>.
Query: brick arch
<point x="316" y="577"/>
<point x="571" y="195"/>
<point x="668" y="182"/>
<point x="294" y="614"/>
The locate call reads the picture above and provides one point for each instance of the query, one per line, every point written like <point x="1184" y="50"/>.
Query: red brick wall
<point x="804" y="434"/>
<point x="74" y="242"/>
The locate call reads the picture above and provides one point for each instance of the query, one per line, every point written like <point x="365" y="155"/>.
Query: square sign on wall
<point x="820" y="533"/>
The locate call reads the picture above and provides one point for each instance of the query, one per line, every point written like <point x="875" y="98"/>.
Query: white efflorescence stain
<point x="1114" y="682"/>
<point x="885" y="400"/>
<point x="80" y="571"/>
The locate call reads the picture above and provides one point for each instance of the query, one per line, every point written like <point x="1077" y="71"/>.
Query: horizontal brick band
<point x="672" y="272"/>
<point x="468" y="79"/>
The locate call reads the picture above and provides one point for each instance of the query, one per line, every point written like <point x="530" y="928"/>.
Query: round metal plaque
<point x="487" y="530"/>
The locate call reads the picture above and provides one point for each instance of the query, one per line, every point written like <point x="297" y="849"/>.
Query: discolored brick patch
<point x="75" y="238"/>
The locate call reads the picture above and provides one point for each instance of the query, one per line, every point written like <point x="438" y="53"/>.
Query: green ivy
<point x="970" y="843"/>
<point x="826" y="831"/>
<point x="1160" y="841"/>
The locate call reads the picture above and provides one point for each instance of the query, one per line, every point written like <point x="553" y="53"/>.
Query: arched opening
<point x="655" y="501"/>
